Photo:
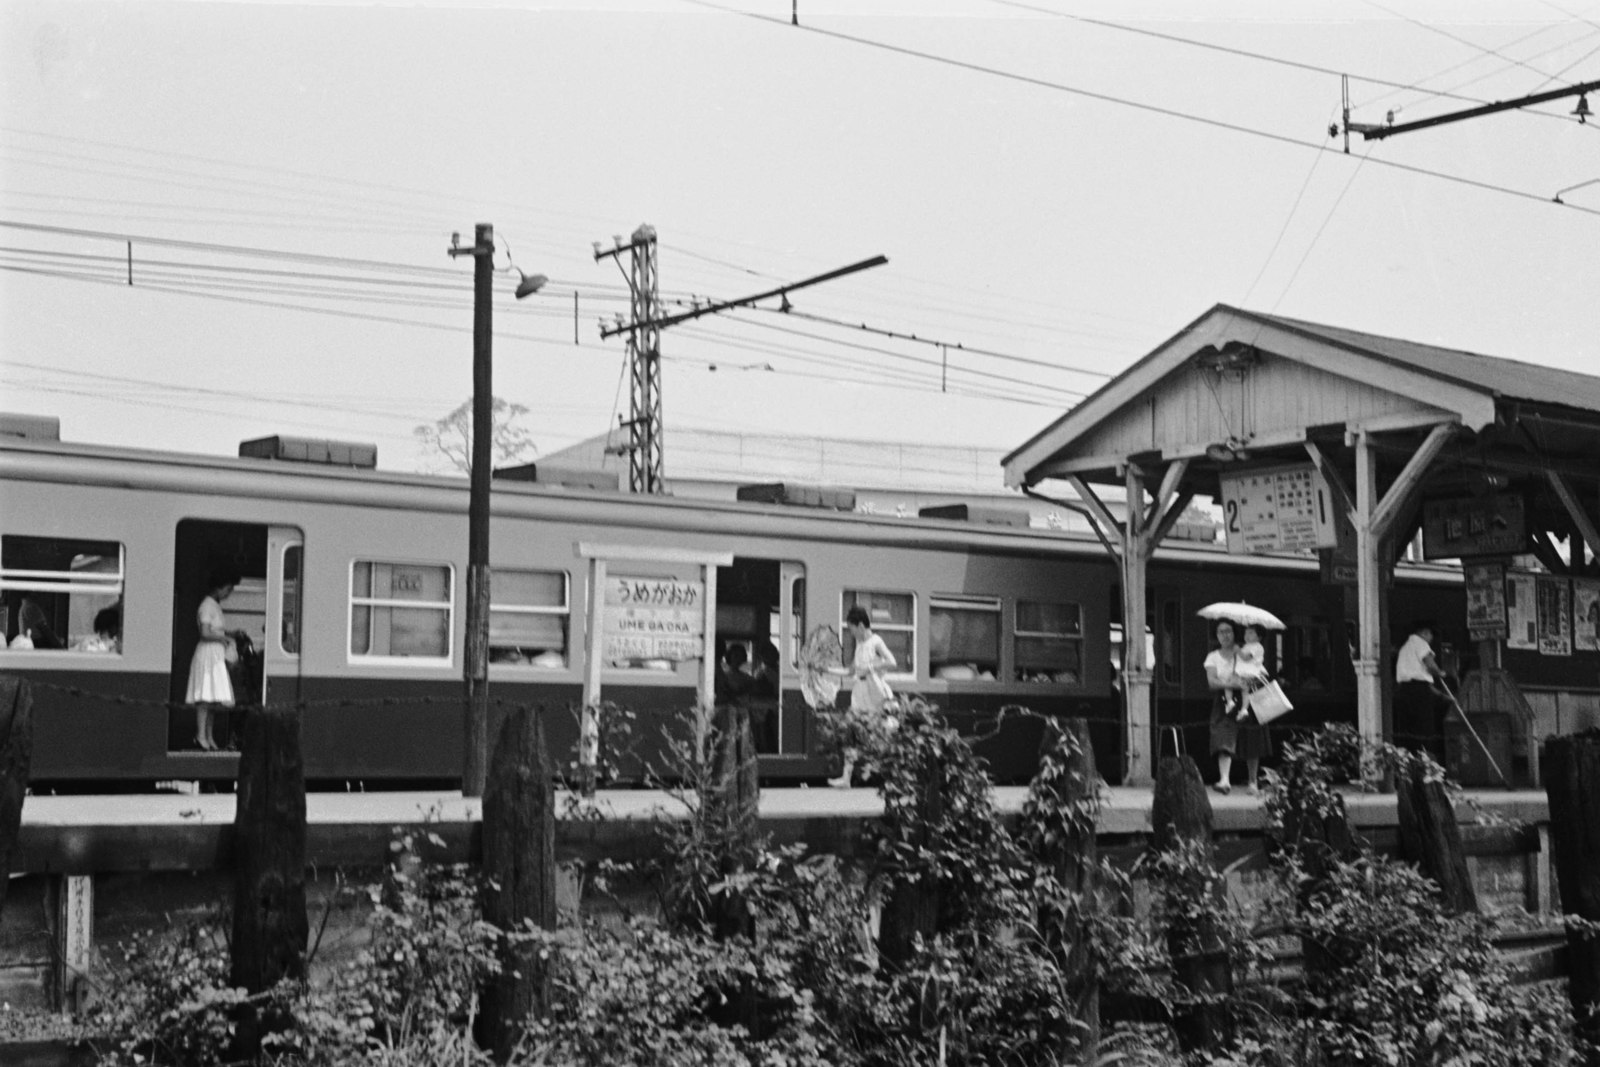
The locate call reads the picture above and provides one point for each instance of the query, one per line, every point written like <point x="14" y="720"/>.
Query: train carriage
<point x="352" y="593"/>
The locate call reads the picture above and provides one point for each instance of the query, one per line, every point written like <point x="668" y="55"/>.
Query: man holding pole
<point x="1419" y="705"/>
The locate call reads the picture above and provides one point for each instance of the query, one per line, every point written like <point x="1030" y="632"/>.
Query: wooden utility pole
<point x="475" y="664"/>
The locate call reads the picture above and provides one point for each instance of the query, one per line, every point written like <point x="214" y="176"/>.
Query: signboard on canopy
<point x="1473" y="526"/>
<point x="1277" y="509"/>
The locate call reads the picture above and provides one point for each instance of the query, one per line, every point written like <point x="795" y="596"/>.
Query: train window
<point x="289" y="609"/>
<point x="1049" y="642"/>
<point x="400" y="610"/>
<point x="894" y="618"/>
<point x="528" y="618"/>
<point x="964" y="637"/>
<point x="61" y="594"/>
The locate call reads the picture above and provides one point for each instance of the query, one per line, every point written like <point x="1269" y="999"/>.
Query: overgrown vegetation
<point x="959" y="940"/>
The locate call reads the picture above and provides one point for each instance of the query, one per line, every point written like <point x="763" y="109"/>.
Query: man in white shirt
<point x="1418" y="704"/>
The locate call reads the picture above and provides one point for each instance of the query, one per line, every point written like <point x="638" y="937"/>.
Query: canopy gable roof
<point x="1242" y="378"/>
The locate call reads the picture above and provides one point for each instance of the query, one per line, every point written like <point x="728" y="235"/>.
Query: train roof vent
<point x="311" y="450"/>
<point x="982" y="513"/>
<point x="30" y="427"/>
<point x="568" y="477"/>
<point x="805" y="496"/>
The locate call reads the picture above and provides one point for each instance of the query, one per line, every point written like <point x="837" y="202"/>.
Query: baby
<point x="1250" y="664"/>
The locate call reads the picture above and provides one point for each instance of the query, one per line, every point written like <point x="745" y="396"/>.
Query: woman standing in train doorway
<point x="209" y="683"/>
<point x="870" y="692"/>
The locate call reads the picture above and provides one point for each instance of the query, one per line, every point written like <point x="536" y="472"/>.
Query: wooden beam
<point x="1169" y="485"/>
<point x="1168" y="521"/>
<point x="1336" y="486"/>
<point x="1110" y="527"/>
<point x="1545" y="550"/>
<point x="1580" y="517"/>
<point x="1410" y="477"/>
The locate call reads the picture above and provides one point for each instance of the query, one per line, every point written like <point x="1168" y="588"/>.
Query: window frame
<point x="299" y="599"/>
<point x="564" y="611"/>
<point x="69" y="583"/>
<point x="976" y="602"/>
<point x="1018" y="632"/>
<point x="369" y="659"/>
<point x="902" y="671"/>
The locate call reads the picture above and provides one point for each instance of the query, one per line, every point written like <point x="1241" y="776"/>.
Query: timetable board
<point x="1277" y="509"/>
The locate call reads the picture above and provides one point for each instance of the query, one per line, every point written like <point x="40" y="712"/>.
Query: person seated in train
<point x="33" y="629"/>
<point x="764" y="675"/>
<point x="107" y="636"/>
<point x="733" y="682"/>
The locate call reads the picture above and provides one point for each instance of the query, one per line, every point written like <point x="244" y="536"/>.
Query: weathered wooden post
<point x="735" y="815"/>
<point x="16" y="754"/>
<point x="1572" y="785"/>
<point x="269" y="861"/>
<point x="911" y="909"/>
<point x="519" y="868"/>
<point x="1070" y="851"/>
<point x="1430" y="838"/>
<point x="1181" y="819"/>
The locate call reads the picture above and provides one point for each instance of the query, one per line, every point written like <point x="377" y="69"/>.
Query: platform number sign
<point x="1277" y="509"/>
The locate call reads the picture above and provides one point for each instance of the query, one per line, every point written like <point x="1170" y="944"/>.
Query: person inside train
<point x="210" y="685"/>
<point x="733" y="682"/>
<point x="107" y="636"/>
<point x="764" y="696"/>
<point x="33" y="629"/>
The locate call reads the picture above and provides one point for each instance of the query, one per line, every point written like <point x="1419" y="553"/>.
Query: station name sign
<point x="1277" y="509"/>
<point x="653" y="618"/>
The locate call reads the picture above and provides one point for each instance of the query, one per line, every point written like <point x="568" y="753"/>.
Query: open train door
<point x="280" y="663"/>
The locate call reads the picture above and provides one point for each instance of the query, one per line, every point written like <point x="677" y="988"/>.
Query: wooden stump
<point x="16" y="754"/>
<point x="1430" y="838"/>
<point x="269" y="846"/>
<point x="1572" y="784"/>
<point x="519" y="867"/>
<point x="1181" y="817"/>
<point x="734" y="813"/>
<point x="1067" y="771"/>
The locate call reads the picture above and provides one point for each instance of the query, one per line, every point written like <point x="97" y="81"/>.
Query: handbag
<point x="1268" y="702"/>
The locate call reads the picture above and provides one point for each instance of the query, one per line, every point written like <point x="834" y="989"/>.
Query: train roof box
<point x="30" y="427"/>
<point x="805" y="496"/>
<point x="569" y="477"/>
<point x="988" y="514"/>
<point x="311" y="450"/>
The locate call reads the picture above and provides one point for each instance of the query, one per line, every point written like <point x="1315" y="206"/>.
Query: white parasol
<point x="1241" y="613"/>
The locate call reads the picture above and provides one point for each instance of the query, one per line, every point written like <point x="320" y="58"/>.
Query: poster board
<point x="1522" y="621"/>
<point x="1586" y="614"/>
<point x="1555" y="615"/>
<point x="1486" y="601"/>
<point x="1277" y="509"/>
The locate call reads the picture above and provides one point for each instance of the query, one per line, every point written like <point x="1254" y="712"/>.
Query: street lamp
<point x="475" y="664"/>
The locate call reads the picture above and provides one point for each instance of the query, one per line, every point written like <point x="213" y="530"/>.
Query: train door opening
<point x="761" y="606"/>
<point x="263" y="610"/>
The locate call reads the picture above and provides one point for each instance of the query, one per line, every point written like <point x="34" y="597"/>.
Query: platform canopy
<point x="1387" y="423"/>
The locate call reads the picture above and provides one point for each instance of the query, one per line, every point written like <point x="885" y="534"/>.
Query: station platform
<point x="77" y="835"/>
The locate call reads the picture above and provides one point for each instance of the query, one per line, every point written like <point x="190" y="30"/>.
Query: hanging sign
<point x="1586" y="614"/>
<point x="1486" y="601"/>
<point x="1277" y="509"/>
<point x="1555" y="616"/>
<point x="1473" y="526"/>
<point x="653" y="618"/>
<point x="1522" y="619"/>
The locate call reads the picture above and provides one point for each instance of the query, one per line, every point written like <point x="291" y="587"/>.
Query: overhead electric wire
<point x="1154" y="109"/>
<point x="1442" y="32"/>
<point x="954" y="346"/>
<point x="1282" y="230"/>
<point x="1247" y="54"/>
<point x="1318" y="235"/>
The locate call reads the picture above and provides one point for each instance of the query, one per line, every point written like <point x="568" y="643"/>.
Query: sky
<point x="1058" y="187"/>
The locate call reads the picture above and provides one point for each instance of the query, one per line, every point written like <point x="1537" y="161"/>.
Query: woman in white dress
<point x="209" y="683"/>
<point x="870" y="692"/>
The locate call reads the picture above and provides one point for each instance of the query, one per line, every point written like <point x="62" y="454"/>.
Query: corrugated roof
<point x="1508" y="378"/>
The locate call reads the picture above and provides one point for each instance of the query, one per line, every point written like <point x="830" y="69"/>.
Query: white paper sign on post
<point x="1277" y="509"/>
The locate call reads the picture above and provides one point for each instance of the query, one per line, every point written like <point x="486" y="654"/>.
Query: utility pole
<point x="475" y="665"/>
<point x="644" y="345"/>
<point x="644" y="361"/>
